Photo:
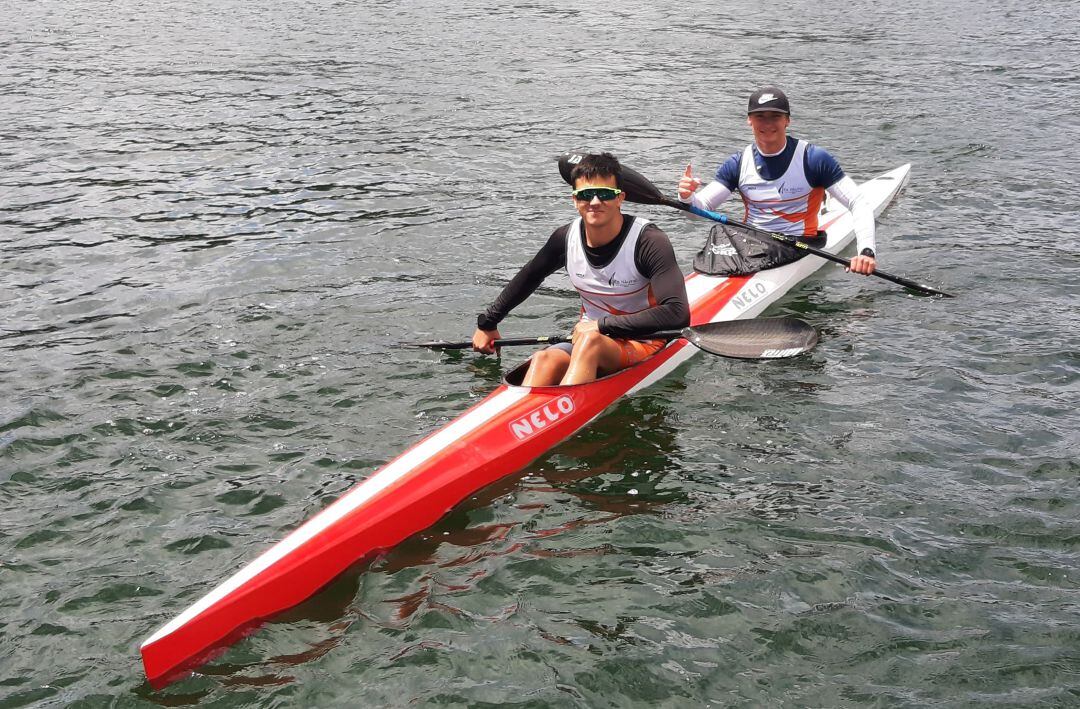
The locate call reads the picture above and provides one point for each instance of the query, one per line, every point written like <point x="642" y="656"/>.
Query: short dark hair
<point x="596" y="165"/>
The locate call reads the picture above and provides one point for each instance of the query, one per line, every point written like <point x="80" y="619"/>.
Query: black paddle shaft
<point x="758" y="338"/>
<point x="504" y="342"/>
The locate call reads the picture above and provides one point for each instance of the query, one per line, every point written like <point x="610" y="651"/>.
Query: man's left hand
<point x="862" y="264"/>
<point x="583" y="327"/>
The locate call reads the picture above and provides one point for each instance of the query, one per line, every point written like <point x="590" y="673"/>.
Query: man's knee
<point x="591" y="341"/>
<point x="549" y="357"/>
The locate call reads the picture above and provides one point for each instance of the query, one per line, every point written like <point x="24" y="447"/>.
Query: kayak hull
<point x="503" y="433"/>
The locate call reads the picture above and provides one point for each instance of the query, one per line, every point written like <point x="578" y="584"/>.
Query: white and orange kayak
<point x="501" y="434"/>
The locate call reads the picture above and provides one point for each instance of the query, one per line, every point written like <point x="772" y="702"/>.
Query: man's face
<point x="770" y="127"/>
<point x="597" y="213"/>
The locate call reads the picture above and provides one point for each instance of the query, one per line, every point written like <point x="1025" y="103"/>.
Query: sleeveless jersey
<point x="788" y="204"/>
<point x="616" y="289"/>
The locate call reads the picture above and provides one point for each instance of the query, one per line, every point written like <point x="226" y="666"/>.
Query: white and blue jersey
<point x="822" y="170"/>
<point x="786" y="204"/>
<point x="784" y="197"/>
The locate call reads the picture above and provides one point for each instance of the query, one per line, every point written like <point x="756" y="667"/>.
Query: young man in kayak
<point x="783" y="181"/>
<point x="625" y="271"/>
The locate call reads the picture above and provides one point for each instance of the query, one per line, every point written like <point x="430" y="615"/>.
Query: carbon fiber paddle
<point x="759" y="338"/>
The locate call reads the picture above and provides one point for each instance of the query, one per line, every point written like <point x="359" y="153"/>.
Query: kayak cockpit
<point x="515" y="376"/>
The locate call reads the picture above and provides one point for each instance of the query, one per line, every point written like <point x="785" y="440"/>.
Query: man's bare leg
<point x="547" y="368"/>
<point x="592" y="353"/>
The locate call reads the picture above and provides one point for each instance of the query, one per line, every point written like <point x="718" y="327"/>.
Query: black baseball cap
<point x="769" y="98"/>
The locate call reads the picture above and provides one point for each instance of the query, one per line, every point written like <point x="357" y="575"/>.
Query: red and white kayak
<point x="510" y="428"/>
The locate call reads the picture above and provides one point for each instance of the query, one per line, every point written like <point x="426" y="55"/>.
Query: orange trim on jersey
<point x="796" y="198"/>
<point x="612" y="310"/>
<point x="613" y="295"/>
<point x="808" y="218"/>
<point x="817" y="197"/>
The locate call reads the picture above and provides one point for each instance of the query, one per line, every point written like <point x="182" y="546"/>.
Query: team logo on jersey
<point x="614" y="282"/>
<point x="783" y="189"/>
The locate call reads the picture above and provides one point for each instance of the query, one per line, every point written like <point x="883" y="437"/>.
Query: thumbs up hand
<point x="688" y="184"/>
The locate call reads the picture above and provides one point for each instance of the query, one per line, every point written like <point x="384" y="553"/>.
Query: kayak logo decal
<point x="749" y="295"/>
<point x="540" y="417"/>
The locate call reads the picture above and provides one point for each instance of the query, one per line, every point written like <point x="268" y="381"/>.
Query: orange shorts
<point x="633" y="351"/>
<point x="630" y="351"/>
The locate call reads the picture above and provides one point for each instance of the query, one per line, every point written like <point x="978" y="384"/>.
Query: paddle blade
<point x="761" y="338"/>
<point x="567" y="162"/>
<point x="640" y="190"/>
<point x="637" y="188"/>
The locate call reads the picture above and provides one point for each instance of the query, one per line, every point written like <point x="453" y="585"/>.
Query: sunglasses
<point x="604" y="194"/>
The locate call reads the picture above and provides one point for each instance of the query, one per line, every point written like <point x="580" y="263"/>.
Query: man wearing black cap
<point x="783" y="180"/>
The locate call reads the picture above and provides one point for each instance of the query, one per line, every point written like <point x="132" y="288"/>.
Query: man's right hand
<point x="484" y="340"/>
<point x="688" y="184"/>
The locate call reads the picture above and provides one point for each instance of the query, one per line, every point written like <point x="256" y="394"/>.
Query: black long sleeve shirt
<point x="654" y="258"/>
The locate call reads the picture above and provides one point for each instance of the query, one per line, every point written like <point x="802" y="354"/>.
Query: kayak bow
<point x="507" y="430"/>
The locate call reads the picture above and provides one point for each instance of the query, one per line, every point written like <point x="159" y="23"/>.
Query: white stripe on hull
<point x="384" y="478"/>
